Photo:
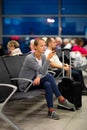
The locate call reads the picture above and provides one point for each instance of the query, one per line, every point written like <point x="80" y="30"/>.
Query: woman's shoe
<point x="53" y="115"/>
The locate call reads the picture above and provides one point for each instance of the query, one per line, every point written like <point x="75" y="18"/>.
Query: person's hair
<point x="49" y="39"/>
<point x="79" y="40"/>
<point x="37" y="41"/>
<point x="13" y="43"/>
<point x="32" y="41"/>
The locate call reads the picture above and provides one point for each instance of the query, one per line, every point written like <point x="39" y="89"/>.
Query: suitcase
<point x="69" y="88"/>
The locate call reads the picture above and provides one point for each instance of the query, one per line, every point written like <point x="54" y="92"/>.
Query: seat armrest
<point x="52" y="72"/>
<point x="24" y="79"/>
<point x="10" y="94"/>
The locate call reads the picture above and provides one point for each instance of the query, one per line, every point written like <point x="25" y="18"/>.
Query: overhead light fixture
<point x="50" y="20"/>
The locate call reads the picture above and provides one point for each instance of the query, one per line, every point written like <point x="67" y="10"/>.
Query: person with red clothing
<point x="79" y="47"/>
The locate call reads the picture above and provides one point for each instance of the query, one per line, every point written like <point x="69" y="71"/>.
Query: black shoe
<point x="84" y="92"/>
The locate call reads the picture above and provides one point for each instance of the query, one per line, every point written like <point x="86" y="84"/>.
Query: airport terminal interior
<point x="29" y="19"/>
<point x="32" y="115"/>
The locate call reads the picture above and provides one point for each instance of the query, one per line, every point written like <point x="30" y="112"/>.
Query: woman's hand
<point x="36" y="81"/>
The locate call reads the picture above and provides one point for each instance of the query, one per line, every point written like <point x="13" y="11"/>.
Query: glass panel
<point x="30" y="26"/>
<point x="30" y="7"/>
<point x="74" y="6"/>
<point x="74" y="26"/>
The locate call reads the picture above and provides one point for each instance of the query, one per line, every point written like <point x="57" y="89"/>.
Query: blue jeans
<point x="48" y="82"/>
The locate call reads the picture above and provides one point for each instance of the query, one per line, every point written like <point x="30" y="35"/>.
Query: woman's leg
<point x="49" y="95"/>
<point x="49" y="78"/>
<point x="50" y="87"/>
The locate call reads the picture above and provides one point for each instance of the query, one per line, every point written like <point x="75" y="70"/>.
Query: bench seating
<point x="10" y="67"/>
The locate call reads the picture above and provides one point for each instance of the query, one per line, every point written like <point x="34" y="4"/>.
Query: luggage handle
<point x="63" y="51"/>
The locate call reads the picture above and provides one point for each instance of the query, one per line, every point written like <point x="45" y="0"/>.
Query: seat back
<point x="59" y="52"/>
<point x="4" y="75"/>
<point x="13" y="65"/>
<point x="22" y="58"/>
<point x="4" y="79"/>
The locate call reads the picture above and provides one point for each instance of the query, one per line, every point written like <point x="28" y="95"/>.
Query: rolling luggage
<point x="69" y="88"/>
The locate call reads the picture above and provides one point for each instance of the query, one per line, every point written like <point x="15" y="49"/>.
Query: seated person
<point x="31" y="46"/>
<point x="55" y="63"/>
<point x="13" y="48"/>
<point x="35" y="67"/>
<point x="79" y="47"/>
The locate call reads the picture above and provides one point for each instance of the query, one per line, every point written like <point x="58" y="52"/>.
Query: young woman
<point x="35" y="67"/>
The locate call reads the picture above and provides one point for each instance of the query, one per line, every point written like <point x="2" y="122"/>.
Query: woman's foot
<point x="52" y="114"/>
<point x="66" y="104"/>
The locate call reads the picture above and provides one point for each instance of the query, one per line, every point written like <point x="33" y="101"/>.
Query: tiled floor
<point x="32" y="115"/>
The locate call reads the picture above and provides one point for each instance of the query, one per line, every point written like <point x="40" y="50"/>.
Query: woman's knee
<point x="50" y="76"/>
<point x="47" y="86"/>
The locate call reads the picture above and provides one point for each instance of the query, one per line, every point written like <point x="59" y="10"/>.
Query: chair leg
<point x="4" y="117"/>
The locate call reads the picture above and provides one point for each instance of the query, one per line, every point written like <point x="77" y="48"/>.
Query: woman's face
<point x="41" y="47"/>
<point x="11" y="48"/>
